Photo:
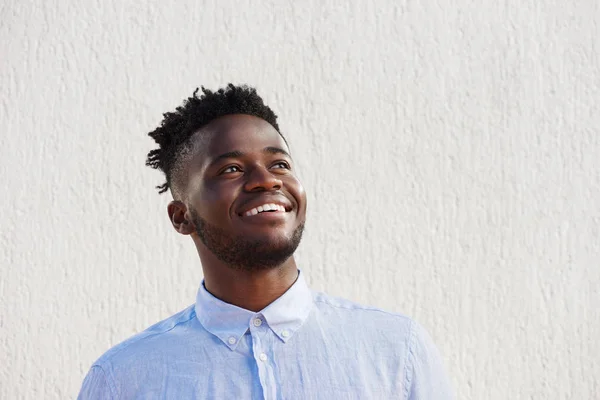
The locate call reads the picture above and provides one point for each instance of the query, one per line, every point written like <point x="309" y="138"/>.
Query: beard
<point x="240" y="253"/>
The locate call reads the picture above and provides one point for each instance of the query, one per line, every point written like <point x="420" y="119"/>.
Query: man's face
<point x="243" y="196"/>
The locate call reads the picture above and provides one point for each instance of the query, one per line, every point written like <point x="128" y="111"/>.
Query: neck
<point x="252" y="290"/>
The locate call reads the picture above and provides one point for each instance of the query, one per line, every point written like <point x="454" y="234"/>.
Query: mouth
<point x="266" y="209"/>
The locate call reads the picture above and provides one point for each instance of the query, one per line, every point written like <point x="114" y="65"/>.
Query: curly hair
<point x="174" y="133"/>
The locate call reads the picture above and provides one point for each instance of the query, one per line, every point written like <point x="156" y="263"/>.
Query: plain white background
<point x="450" y="150"/>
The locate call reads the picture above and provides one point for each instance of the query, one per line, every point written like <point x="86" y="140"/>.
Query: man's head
<point x="232" y="179"/>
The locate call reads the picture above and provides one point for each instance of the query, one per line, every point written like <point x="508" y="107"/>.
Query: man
<point x="256" y="330"/>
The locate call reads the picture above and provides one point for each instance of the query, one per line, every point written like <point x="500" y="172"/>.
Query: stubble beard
<point x="243" y="254"/>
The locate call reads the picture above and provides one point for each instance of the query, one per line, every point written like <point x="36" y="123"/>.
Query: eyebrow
<point x="276" y="150"/>
<point x="237" y="154"/>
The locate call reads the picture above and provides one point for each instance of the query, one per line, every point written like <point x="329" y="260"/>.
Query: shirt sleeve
<point x="96" y="386"/>
<point x="425" y="375"/>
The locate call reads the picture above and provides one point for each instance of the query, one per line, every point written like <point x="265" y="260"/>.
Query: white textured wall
<point x="450" y="150"/>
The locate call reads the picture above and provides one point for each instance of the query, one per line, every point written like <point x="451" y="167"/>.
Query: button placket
<point x="260" y="357"/>
<point x="261" y="344"/>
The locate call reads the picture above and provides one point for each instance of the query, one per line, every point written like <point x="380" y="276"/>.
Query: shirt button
<point x="285" y="334"/>
<point x="231" y="340"/>
<point x="257" y="322"/>
<point x="263" y="357"/>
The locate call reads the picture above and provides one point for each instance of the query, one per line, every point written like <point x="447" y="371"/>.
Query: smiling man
<point x="256" y="330"/>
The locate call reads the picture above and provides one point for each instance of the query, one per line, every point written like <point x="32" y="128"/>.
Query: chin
<point x="273" y="236"/>
<point x="261" y="247"/>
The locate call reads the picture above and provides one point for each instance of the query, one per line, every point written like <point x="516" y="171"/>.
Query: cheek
<point x="213" y="204"/>
<point x="299" y="193"/>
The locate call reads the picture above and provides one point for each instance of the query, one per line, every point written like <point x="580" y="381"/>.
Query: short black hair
<point x="174" y="133"/>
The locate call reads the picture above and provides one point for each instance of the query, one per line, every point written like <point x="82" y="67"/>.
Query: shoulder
<point x="373" y="322"/>
<point x="343" y="307"/>
<point x="369" y="318"/>
<point x="426" y="376"/>
<point x="397" y="336"/>
<point x="151" y="339"/>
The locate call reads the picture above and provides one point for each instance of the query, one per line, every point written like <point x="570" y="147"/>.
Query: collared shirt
<point x="304" y="345"/>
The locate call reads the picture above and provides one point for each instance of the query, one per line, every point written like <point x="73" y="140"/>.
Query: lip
<point x="259" y="201"/>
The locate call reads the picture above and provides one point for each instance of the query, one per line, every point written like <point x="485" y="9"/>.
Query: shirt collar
<point x="229" y="323"/>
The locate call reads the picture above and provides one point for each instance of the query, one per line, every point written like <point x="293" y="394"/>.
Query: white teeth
<point x="264" y="207"/>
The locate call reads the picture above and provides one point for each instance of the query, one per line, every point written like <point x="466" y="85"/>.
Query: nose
<point x="261" y="179"/>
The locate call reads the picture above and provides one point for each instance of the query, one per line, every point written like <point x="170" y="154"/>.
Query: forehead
<point x="238" y="132"/>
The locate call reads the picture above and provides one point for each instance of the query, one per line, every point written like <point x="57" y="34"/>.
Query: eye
<point x="281" y="164"/>
<point x="231" y="169"/>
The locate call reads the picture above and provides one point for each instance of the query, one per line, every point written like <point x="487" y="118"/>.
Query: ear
<point x="178" y="216"/>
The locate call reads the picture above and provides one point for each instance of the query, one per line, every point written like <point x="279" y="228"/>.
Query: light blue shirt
<point x="304" y="345"/>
